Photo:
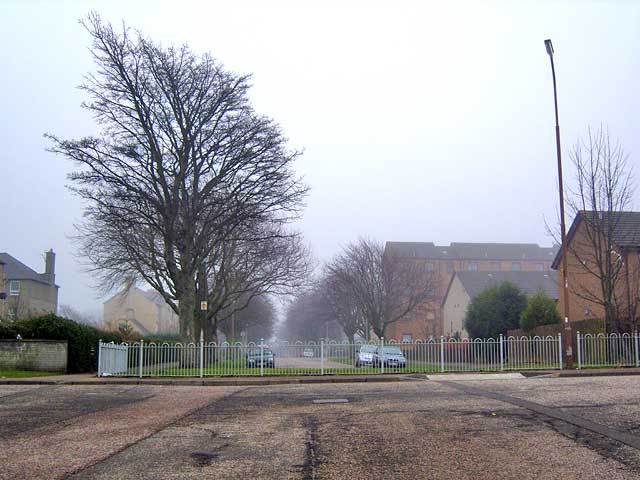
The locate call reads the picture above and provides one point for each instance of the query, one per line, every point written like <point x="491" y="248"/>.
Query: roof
<point x="472" y="251"/>
<point x="14" y="269"/>
<point x="528" y="282"/>
<point x="151" y="295"/>
<point x="625" y="225"/>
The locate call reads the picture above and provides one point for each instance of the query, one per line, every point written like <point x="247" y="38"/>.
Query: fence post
<point x="442" y="354"/>
<point x="262" y="357"/>
<point x="501" y="352"/>
<point x="635" y="334"/>
<point x="99" y="357"/>
<point x="201" y="353"/>
<point x="140" y="359"/>
<point x="560" y="350"/>
<point x="322" y="357"/>
<point x="381" y="354"/>
<point x="579" y="341"/>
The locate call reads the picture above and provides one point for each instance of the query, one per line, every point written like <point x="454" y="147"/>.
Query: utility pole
<point x="567" y="334"/>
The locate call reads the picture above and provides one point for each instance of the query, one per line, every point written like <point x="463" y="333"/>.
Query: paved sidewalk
<point x="92" y="379"/>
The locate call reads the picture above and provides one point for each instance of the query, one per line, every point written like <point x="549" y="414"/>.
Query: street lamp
<point x="568" y="336"/>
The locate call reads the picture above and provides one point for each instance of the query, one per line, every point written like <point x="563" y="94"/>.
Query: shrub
<point x="541" y="310"/>
<point x="495" y="310"/>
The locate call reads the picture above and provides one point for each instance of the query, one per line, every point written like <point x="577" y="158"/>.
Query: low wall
<point x="44" y="355"/>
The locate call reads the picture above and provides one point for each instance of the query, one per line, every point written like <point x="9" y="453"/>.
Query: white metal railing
<point x="608" y="350"/>
<point x="201" y="359"/>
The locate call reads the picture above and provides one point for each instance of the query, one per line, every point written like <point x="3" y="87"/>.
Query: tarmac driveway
<point x="401" y="430"/>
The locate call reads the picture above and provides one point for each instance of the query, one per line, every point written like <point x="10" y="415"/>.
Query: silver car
<point x="365" y="355"/>
<point x="390" y="356"/>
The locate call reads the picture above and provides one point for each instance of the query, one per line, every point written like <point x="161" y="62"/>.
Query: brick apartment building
<point x="443" y="261"/>
<point x="583" y="260"/>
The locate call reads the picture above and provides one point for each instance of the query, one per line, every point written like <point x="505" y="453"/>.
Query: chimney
<point x="50" y="266"/>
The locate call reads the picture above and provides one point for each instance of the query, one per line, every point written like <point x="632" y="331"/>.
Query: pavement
<point x="484" y="427"/>
<point x="92" y="379"/>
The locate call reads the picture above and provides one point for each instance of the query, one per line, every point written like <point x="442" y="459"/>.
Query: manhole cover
<point x="330" y="400"/>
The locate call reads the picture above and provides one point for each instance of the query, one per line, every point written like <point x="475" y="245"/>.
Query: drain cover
<point x="331" y="400"/>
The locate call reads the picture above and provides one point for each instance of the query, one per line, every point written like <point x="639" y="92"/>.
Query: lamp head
<point x="549" y="46"/>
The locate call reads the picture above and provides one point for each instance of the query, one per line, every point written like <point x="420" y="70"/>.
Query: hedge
<point x="82" y="339"/>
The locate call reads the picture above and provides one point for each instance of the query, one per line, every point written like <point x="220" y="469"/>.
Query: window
<point x="14" y="288"/>
<point x="472" y="267"/>
<point x="449" y="267"/>
<point x="430" y="267"/>
<point x="516" y="266"/>
<point x="495" y="266"/>
<point x="540" y="267"/>
<point x="407" y="338"/>
<point x="12" y="313"/>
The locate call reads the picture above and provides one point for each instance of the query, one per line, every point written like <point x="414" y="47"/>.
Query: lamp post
<point x="568" y="336"/>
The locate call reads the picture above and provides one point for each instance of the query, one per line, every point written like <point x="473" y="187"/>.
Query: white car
<point x="307" y="352"/>
<point x="365" y="355"/>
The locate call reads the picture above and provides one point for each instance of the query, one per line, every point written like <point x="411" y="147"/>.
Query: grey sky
<point x="423" y="121"/>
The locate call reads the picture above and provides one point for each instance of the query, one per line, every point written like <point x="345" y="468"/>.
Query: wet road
<point x="519" y="428"/>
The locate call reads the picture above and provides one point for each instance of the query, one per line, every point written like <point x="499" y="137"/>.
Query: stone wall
<point x="45" y="355"/>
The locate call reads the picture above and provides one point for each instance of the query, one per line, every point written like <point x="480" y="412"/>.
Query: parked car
<point x="307" y="352"/>
<point x="391" y="357"/>
<point x="256" y="355"/>
<point x="365" y="355"/>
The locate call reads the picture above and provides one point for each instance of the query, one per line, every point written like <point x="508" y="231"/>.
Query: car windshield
<point x="392" y="350"/>
<point x="256" y="353"/>
<point x="368" y="348"/>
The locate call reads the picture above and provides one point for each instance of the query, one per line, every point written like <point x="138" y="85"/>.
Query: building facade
<point x="27" y="292"/>
<point x="443" y="261"/>
<point x="465" y="286"/>
<point x="618" y="257"/>
<point x="144" y="312"/>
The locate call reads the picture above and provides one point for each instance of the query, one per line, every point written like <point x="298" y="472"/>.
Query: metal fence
<point x="608" y="350"/>
<point x="328" y="357"/>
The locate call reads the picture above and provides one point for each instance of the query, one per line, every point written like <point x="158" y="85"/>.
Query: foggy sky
<point x="420" y="121"/>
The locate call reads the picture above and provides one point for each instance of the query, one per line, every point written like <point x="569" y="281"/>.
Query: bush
<point x="541" y="310"/>
<point x="495" y="310"/>
<point x="82" y="339"/>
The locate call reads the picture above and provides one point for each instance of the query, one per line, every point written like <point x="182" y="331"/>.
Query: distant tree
<point x="540" y="310"/>
<point x="495" y="310"/>
<point x="385" y="288"/>
<point x="182" y="165"/>
<point x="86" y="318"/>
<point x="256" y="321"/>
<point x="343" y="307"/>
<point x="261" y="261"/>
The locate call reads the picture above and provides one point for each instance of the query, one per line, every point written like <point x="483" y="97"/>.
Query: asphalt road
<point x="536" y="428"/>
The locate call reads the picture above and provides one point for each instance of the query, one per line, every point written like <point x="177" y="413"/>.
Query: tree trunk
<point x="186" y="311"/>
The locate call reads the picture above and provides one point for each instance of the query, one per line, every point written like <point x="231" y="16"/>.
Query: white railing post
<point x="442" y="354"/>
<point x="140" y="359"/>
<point x="501" y="352"/>
<point x="99" y="357"/>
<point x="262" y="357"/>
<point x="635" y="338"/>
<point x="201" y="353"/>
<point x="579" y="342"/>
<point x="382" y="354"/>
<point x="560" y="350"/>
<point x="322" y="357"/>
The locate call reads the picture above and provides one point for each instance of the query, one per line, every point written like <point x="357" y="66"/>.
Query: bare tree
<point x="601" y="200"/>
<point x="86" y="318"/>
<point x="261" y="261"/>
<point x="386" y="288"/>
<point x="343" y="306"/>
<point x="255" y="322"/>
<point x="307" y="317"/>
<point x="182" y="165"/>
